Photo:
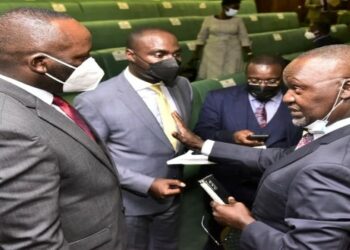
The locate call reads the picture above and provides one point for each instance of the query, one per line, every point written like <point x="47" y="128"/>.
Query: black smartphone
<point x="258" y="137"/>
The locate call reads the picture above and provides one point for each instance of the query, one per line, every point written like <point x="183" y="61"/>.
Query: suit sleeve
<point x="318" y="213"/>
<point x="29" y="194"/>
<point x="131" y="180"/>
<point x="209" y="125"/>
<point x="255" y="159"/>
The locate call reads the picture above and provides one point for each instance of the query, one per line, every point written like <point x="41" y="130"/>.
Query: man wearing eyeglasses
<point x="234" y="114"/>
<point x="303" y="199"/>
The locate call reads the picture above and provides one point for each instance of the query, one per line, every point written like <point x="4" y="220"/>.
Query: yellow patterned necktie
<point x="165" y="111"/>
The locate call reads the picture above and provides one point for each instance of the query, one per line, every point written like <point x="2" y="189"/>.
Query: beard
<point x="299" y="122"/>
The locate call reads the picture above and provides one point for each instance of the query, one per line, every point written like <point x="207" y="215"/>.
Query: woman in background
<point x="222" y="38"/>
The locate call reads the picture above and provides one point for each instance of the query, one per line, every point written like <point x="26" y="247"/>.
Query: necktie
<point x="305" y="139"/>
<point x="260" y="114"/>
<point x="73" y="114"/>
<point x="169" y="125"/>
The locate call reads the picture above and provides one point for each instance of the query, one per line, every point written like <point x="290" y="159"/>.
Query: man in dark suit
<point x="303" y="198"/>
<point x="319" y="34"/>
<point x="129" y="116"/>
<point x="58" y="187"/>
<point x="232" y="115"/>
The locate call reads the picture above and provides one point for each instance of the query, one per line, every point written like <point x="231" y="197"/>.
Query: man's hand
<point x="241" y="137"/>
<point x="185" y="136"/>
<point x="235" y="214"/>
<point x="162" y="188"/>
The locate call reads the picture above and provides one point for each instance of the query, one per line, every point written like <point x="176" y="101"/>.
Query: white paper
<point x="190" y="159"/>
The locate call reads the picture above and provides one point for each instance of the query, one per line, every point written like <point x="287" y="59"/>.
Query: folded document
<point x="190" y="158"/>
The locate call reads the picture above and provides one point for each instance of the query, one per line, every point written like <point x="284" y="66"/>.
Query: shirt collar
<point x="137" y="83"/>
<point x="43" y="95"/>
<point x="338" y="125"/>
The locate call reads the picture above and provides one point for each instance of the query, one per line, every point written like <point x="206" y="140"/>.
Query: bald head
<point x="26" y="30"/>
<point x="28" y="35"/>
<point x="329" y="59"/>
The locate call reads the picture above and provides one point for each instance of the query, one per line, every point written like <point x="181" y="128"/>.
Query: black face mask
<point x="263" y="94"/>
<point x="165" y="70"/>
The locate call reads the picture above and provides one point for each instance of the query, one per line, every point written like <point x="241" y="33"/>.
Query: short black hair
<point x="268" y="60"/>
<point x="137" y="33"/>
<point x="228" y="2"/>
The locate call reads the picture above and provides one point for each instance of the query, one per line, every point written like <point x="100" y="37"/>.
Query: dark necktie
<point x="73" y="114"/>
<point x="305" y="139"/>
<point x="260" y="114"/>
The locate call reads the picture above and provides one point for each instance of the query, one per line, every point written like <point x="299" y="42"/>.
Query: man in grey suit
<point x="129" y="116"/>
<point x="58" y="187"/>
<point x="303" y="199"/>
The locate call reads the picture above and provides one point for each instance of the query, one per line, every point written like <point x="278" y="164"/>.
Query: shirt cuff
<point x="207" y="147"/>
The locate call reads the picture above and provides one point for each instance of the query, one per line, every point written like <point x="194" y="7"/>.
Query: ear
<point x="346" y="90"/>
<point x="130" y="55"/>
<point x="38" y="63"/>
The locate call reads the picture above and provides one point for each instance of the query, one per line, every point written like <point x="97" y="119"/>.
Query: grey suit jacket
<point x="58" y="188"/>
<point x="134" y="138"/>
<point x="303" y="200"/>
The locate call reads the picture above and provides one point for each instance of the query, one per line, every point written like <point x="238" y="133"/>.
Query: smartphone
<point x="258" y="137"/>
<point x="214" y="189"/>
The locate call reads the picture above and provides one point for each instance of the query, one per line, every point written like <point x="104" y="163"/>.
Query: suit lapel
<point x="305" y="150"/>
<point x="135" y="103"/>
<point x="63" y="123"/>
<point x="240" y="107"/>
<point x="52" y="116"/>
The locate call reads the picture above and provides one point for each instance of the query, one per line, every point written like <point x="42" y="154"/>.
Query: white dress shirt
<point x="271" y="106"/>
<point x="148" y="95"/>
<point x="43" y="95"/>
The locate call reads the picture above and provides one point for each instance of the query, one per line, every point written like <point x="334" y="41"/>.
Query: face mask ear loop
<point x="336" y="103"/>
<point x="58" y="60"/>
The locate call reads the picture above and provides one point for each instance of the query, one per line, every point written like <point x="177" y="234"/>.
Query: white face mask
<point x="231" y="12"/>
<point x="309" y="35"/>
<point x="84" y="77"/>
<point x="319" y="126"/>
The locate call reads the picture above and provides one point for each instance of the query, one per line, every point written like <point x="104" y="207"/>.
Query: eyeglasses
<point x="230" y="236"/>
<point x="273" y="82"/>
<point x="208" y="233"/>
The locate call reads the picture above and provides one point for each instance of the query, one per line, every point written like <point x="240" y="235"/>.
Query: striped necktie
<point x="260" y="114"/>
<point x="169" y="125"/>
<point x="305" y="139"/>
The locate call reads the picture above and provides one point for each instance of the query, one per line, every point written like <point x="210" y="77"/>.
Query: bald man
<point x="127" y="114"/>
<point x="303" y="198"/>
<point x="58" y="187"/>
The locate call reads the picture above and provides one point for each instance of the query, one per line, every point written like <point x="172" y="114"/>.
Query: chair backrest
<point x="108" y="10"/>
<point x="188" y="8"/>
<point x="264" y="22"/>
<point x="280" y="42"/>
<point x="113" y="33"/>
<point x="202" y="87"/>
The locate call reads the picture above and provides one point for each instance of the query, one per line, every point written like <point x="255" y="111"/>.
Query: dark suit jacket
<point x="58" y="188"/>
<point x="325" y="40"/>
<point x="303" y="199"/>
<point x="228" y="110"/>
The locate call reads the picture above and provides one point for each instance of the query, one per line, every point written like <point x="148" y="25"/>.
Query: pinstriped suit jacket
<point x="58" y="188"/>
